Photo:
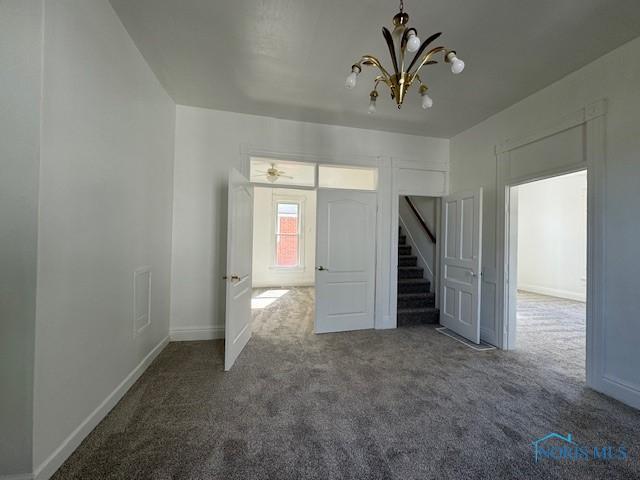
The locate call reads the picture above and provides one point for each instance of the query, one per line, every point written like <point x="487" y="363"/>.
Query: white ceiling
<point x="289" y="58"/>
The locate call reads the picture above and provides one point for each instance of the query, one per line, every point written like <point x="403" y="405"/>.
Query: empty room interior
<point x="319" y="240"/>
<point x="551" y="217"/>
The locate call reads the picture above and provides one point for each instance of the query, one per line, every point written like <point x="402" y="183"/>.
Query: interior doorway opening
<point x="548" y="255"/>
<point x="418" y="260"/>
<point x="283" y="260"/>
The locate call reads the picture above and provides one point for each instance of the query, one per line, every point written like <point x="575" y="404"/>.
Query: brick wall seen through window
<point x="287" y="234"/>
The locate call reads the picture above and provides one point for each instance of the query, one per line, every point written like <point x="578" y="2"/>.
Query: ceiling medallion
<point x="401" y="41"/>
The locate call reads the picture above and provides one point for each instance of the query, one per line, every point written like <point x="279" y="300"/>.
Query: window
<point x="351" y="178"/>
<point x="288" y="234"/>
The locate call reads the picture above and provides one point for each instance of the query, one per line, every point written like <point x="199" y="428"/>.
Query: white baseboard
<point x="47" y="468"/>
<point x="17" y="476"/>
<point x="552" y="292"/>
<point x="620" y="390"/>
<point x="387" y="322"/>
<point x="282" y="285"/>
<point x="188" y="334"/>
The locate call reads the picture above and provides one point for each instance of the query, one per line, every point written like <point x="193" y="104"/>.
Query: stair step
<point x="402" y="239"/>
<point x="413" y="285"/>
<point x="416" y="300"/>
<point x="410" y="272"/>
<point x="418" y="316"/>
<point x="407" y="260"/>
<point x="404" y="249"/>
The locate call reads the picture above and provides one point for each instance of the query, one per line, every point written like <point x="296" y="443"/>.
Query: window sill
<point x="296" y="269"/>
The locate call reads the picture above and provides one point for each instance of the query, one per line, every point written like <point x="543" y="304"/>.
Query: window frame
<point x="287" y="199"/>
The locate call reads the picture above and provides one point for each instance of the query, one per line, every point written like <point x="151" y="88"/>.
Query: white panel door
<point x="238" y="277"/>
<point x="345" y="259"/>
<point x="460" y="260"/>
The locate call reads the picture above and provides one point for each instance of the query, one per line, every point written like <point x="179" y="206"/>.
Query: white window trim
<point x="298" y="200"/>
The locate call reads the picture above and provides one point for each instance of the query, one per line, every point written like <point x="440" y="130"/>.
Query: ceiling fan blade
<point x="286" y="176"/>
<point x="424" y="45"/>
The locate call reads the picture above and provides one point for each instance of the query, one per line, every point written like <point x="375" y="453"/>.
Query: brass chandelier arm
<point x="371" y="60"/>
<point x="381" y="79"/>
<point x="427" y="58"/>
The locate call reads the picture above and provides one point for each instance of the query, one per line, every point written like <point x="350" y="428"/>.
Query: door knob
<point x="321" y="268"/>
<point x="233" y="278"/>
<point x="473" y="274"/>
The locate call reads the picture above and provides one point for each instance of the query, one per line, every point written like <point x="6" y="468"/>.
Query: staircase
<point x="416" y="302"/>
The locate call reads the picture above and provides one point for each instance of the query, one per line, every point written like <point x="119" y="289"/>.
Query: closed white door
<point x="460" y="260"/>
<point x="345" y="260"/>
<point x="238" y="277"/>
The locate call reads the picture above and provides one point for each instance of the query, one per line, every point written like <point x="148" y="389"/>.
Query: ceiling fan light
<point x="272" y="178"/>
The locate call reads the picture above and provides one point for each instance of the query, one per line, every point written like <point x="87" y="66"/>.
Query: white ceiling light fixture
<point x="401" y="41"/>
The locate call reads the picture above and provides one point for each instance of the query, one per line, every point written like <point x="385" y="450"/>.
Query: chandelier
<point x="401" y="41"/>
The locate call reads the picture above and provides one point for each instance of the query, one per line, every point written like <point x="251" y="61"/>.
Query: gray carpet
<point x="397" y="404"/>
<point x="554" y="328"/>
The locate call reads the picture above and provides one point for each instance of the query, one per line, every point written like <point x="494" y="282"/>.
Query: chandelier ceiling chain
<point x="401" y="41"/>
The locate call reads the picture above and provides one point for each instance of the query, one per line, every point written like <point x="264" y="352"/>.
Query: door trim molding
<point x="396" y="191"/>
<point x="593" y="118"/>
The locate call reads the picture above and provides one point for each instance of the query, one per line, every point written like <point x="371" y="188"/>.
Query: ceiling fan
<point x="272" y="174"/>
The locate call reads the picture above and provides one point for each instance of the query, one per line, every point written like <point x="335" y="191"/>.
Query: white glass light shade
<point x="427" y="101"/>
<point x="413" y="43"/>
<point x="457" y="65"/>
<point x="351" y="80"/>
<point x="372" y="106"/>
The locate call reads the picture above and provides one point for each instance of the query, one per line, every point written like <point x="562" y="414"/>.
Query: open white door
<point x="460" y="260"/>
<point x="345" y="259"/>
<point x="238" y="277"/>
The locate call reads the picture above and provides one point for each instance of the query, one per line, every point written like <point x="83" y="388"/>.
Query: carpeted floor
<point x="398" y="404"/>
<point x="554" y="328"/>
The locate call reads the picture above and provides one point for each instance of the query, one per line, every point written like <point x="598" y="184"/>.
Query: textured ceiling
<point x="289" y="58"/>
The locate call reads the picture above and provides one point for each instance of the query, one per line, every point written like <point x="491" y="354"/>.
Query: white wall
<point x="20" y="80"/>
<point x="208" y="143"/>
<point x="616" y="77"/>
<point x="105" y="209"/>
<point x="264" y="220"/>
<point x="552" y="236"/>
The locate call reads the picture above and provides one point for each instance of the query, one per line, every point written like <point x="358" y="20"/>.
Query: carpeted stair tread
<point x="415" y="302"/>
<point x="410" y="272"/>
<point x="417" y="310"/>
<point x="407" y="260"/>
<point x="418" y="316"/>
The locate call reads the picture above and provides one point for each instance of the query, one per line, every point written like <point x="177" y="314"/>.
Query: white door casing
<point x="460" y="260"/>
<point x="346" y="260"/>
<point x="238" y="276"/>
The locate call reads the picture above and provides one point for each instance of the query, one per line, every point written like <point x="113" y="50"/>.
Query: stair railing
<point x="420" y="219"/>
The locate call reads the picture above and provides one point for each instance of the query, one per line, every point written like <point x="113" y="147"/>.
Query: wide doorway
<point x="301" y="237"/>
<point x="550" y="231"/>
